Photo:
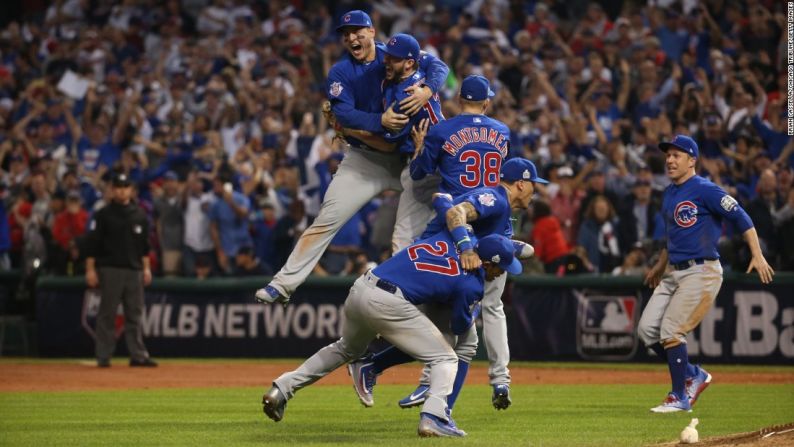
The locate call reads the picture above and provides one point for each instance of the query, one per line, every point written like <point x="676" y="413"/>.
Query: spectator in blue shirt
<point x="229" y="222"/>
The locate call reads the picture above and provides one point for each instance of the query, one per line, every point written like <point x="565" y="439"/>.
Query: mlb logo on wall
<point x="605" y="326"/>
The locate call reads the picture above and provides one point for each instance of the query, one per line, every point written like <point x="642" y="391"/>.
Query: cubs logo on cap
<point x="356" y="17"/>
<point x="403" y="46"/>
<point x="517" y="169"/>
<point x="682" y="143"/>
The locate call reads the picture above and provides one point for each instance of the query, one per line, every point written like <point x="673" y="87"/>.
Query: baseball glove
<point x="331" y="118"/>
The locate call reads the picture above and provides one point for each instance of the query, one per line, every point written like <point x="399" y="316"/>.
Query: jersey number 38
<point x="481" y="170"/>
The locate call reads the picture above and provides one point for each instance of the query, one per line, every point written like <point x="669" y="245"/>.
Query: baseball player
<point x="688" y="275"/>
<point x="468" y="149"/>
<point x="354" y="89"/>
<point x="488" y="211"/>
<point x="383" y="301"/>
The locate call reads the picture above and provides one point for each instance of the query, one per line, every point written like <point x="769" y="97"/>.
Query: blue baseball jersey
<point x="467" y="150"/>
<point x="493" y="211"/>
<point x="429" y="271"/>
<point x="394" y="93"/>
<point x="355" y="89"/>
<point x="693" y="213"/>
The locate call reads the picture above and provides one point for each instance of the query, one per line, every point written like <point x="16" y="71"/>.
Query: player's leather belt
<point x="386" y="285"/>
<point x="363" y="147"/>
<point x="683" y="265"/>
<point x="383" y="284"/>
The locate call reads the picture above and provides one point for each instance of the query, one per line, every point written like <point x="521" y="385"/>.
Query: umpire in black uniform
<point x="118" y="262"/>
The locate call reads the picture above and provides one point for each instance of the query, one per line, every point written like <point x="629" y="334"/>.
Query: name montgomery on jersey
<point x="468" y="135"/>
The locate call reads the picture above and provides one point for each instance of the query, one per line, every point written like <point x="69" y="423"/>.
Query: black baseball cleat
<point x="274" y="403"/>
<point x="103" y="363"/>
<point x="146" y="363"/>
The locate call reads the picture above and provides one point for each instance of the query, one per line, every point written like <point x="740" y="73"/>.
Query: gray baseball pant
<point x="362" y="175"/>
<point x="415" y="209"/>
<point x="679" y="303"/>
<point x="494" y="331"/>
<point x="370" y="311"/>
<point x="125" y="286"/>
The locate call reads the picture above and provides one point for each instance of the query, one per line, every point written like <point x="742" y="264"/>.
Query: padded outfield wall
<point x="573" y="318"/>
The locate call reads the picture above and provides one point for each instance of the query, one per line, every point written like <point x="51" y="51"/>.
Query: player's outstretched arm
<point x="457" y="217"/>
<point x="654" y="275"/>
<point x="758" y="262"/>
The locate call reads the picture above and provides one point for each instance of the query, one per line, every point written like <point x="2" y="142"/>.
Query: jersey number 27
<point x="481" y="170"/>
<point x="443" y="266"/>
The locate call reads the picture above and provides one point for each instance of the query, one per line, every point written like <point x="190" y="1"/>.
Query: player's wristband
<point x="461" y="237"/>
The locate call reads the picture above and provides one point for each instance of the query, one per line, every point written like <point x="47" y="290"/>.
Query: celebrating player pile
<point x="467" y="152"/>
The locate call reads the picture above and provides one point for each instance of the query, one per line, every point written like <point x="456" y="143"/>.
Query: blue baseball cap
<point x="476" y="88"/>
<point x="517" y="169"/>
<point x="355" y="17"/>
<point x="403" y="46"/>
<point x="499" y="250"/>
<point x="683" y="143"/>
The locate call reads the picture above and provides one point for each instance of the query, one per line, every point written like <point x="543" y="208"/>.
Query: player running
<point x="688" y="274"/>
<point x="354" y="89"/>
<point x="383" y="301"/>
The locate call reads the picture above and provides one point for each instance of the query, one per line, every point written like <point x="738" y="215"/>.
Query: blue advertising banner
<point x="592" y="319"/>
<point x="198" y="323"/>
<point x="748" y="324"/>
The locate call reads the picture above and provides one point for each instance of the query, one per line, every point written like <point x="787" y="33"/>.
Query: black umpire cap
<point x="121" y="180"/>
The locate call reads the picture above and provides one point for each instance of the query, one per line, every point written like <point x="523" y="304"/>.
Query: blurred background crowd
<point x="213" y="109"/>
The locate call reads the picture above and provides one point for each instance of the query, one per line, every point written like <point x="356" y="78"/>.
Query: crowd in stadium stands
<point x="213" y="109"/>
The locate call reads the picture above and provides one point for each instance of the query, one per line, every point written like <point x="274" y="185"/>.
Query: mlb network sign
<point x="230" y="325"/>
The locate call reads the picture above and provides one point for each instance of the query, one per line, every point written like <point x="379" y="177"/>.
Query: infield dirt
<point x="85" y="376"/>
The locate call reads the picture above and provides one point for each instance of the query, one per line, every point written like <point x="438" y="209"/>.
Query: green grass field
<point x="549" y="415"/>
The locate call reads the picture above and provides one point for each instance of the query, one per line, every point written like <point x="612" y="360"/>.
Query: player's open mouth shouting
<point x="358" y="41"/>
